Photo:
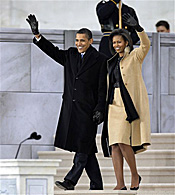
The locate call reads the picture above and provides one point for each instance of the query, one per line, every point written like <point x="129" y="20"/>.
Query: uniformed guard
<point x="108" y="13"/>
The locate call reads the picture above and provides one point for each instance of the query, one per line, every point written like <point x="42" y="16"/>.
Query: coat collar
<point x="111" y="62"/>
<point x="89" y="59"/>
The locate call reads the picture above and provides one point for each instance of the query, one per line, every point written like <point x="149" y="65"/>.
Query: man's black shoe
<point x="65" y="185"/>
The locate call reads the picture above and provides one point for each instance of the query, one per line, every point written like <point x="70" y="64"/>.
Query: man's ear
<point x="91" y="40"/>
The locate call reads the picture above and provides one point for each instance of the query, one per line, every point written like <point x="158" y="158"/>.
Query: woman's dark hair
<point x="121" y="32"/>
<point x="85" y="31"/>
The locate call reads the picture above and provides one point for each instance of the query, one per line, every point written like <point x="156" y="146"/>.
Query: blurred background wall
<point x="74" y="14"/>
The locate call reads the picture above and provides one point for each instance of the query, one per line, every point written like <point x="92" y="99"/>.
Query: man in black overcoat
<point x="108" y="16"/>
<point x="83" y="103"/>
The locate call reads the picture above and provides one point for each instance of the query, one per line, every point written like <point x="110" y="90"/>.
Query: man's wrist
<point x="139" y="28"/>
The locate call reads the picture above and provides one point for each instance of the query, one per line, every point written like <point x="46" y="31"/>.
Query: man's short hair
<point x="85" y="31"/>
<point x="163" y="23"/>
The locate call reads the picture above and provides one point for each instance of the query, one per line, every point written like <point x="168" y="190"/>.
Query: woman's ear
<point x="127" y="44"/>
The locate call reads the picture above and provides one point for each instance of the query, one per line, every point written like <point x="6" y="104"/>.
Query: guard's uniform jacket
<point x="108" y="16"/>
<point x="84" y="92"/>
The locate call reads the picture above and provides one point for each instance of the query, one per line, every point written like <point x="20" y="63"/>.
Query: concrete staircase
<point x="156" y="166"/>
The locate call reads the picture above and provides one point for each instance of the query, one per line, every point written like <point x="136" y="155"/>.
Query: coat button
<point x="125" y="83"/>
<point x="116" y="25"/>
<point x="75" y="89"/>
<point x="73" y="100"/>
<point x="122" y="67"/>
<point x="126" y="27"/>
<point x="76" y="78"/>
<point x="123" y="74"/>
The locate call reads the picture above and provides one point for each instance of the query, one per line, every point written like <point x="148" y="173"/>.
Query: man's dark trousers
<point x="90" y="163"/>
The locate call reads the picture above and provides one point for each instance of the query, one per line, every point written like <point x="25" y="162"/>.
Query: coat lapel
<point x="89" y="59"/>
<point x="111" y="63"/>
<point x="75" y="58"/>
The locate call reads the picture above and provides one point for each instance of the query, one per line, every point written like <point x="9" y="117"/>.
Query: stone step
<point x="164" y="192"/>
<point x="150" y="158"/>
<point x="156" y="166"/>
<point x="145" y="189"/>
<point x="149" y="175"/>
<point x="94" y="192"/>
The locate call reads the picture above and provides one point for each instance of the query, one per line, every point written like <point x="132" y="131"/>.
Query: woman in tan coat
<point x="127" y="125"/>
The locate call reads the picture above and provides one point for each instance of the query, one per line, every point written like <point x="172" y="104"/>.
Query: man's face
<point x="162" y="29"/>
<point x="82" y="42"/>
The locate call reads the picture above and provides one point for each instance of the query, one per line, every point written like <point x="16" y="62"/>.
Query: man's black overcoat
<point x="84" y="93"/>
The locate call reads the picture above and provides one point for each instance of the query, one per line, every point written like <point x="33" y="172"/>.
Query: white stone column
<point x="28" y="177"/>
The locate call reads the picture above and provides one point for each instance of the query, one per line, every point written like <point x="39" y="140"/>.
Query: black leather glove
<point x="130" y="21"/>
<point x="33" y="24"/>
<point x="98" y="117"/>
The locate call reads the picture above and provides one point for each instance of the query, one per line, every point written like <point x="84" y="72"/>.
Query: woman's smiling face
<point x="119" y="44"/>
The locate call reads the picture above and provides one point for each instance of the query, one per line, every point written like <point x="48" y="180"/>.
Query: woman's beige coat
<point x="131" y="72"/>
